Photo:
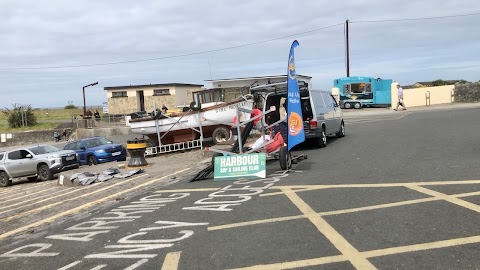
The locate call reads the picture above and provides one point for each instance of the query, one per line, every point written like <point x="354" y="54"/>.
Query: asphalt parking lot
<point x="400" y="191"/>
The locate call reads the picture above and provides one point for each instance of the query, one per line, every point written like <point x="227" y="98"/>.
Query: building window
<point x="161" y="92"/>
<point x="119" y="94"/>
<point x="213" y="95"/>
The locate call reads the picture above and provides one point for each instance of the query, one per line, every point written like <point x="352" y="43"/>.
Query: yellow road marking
<point x="66" y="200"/>
<point x="26" y="195"/>
<point x="187" y="190"/>
<point x="84" y="206"/>
<point x="336" y="212"/>
<point x="23" y="203"/>
<point x="351" y="253"/>
<point x="406" y="184"/>
<point x="447" y="198"/>
<point x="296" y="264"/>
<point x="22" y="186"/>
<point x="255" y="222"/>
<point x="367" y="254"/>
<point x="171" y="261"/>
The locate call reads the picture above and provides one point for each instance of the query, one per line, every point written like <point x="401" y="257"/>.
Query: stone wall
<point x="8" y="139"/>
<point x="167" y="100"/>
<point x="122" y="105"/>
<point x="467" y="92"/>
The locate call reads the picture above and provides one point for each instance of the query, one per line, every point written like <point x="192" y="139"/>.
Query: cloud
<point x="63" y="33"/>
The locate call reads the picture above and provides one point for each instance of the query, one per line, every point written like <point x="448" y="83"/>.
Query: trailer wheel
<point x="347" y="105"/>
<point x="220" y="134"/>
<point x="285" y="158"/>
<point x="357" y="105"/>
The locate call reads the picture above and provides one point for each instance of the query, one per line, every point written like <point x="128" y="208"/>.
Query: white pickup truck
<point x="40" y="162"/>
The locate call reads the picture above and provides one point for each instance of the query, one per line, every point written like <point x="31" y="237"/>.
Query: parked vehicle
<point x="41" y="162"/>
<point x="322" y="116"/>
<point x="357" y="92"/>
<point x="96" y="150"/>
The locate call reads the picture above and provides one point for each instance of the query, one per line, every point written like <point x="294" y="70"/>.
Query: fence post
<point x="427" y="98"/>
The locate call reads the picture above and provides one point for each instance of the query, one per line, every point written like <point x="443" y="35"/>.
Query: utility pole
<point x="347" y="48"/>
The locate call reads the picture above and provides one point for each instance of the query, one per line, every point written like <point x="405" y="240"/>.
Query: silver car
<point x="41" y="162"/>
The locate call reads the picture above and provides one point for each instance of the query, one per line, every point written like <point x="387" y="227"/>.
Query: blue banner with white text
<point x="296" y="134"/>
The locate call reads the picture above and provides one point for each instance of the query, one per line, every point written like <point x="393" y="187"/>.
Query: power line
<point x="419" y="19"/>
<point x="172" y="56"/>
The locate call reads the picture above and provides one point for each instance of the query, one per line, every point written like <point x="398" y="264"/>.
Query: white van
<point x="322" y="116"/>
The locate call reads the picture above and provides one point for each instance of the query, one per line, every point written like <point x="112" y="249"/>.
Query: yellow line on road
<point x="187" y="190"/>
<point x="367" y="254"/>
<point x="84" y="206"/>
<point x="351" y="253"/>
<point x="171" y="261"/>
<point x="25" y="195"/>
<point x="23" y="203"/>
<point x="406" y="184"/>
<point x="328" y="213"/>
<point x="23" y="187"/>
<point x="66" y="200"/>
<point x="447" y="198"/>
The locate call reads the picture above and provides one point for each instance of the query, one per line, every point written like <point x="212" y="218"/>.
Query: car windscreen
<point x="44" y="149"/>
<point x="96" y="142"/>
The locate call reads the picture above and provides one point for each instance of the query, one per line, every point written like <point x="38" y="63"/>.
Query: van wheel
<point x="4" y="180"/>
<point x="347" y="105"/>
<point x="322" y="140"/>
<point x="285" y="158"/>
<point x="341" y="133"/>
<point x="44" y="172"/>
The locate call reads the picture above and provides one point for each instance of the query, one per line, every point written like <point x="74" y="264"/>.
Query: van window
<point x="317" y="99"/>
<point x="328" y="101"/>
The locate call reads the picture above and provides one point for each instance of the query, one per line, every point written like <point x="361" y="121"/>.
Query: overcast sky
<point x="50" y="33"/>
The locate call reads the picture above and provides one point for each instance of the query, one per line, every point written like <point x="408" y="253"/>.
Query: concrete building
<point x="135" y="98"/>
<point x="228" y="89"/>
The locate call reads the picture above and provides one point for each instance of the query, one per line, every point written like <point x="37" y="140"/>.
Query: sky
<point x="50" y="49"/>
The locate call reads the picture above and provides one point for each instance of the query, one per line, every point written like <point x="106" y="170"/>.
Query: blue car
<point x="96" y="150"/>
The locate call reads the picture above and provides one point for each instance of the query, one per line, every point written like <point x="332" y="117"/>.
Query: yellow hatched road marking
<point x="336" y="212"/>
<point x="171" y="261"/>
<point x="22" y="203"/>
<point x="187" y="190"/>
<point x="406" y="184"/>
<point x="22" y="187"/>
<point x="350" y="252"/>
<point x="84" y="206"/>
<point x="27" y="195"/>
<point x="447" y="198"/>
<point x="367" y="254"/>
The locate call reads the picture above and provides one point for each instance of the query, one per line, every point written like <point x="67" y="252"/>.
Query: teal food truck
<point x="357" y="92"/>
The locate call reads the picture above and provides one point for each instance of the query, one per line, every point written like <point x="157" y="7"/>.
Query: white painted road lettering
<point x="35" y="253"/>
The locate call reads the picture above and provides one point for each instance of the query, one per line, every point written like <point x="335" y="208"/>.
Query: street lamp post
<point x="84" y="103"/>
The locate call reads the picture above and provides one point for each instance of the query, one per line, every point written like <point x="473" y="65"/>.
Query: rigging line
<point x="418" y="19"/>
<point x="172" y="56"/>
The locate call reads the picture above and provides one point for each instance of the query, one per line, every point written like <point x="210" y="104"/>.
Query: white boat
<point x="215" y="120"/>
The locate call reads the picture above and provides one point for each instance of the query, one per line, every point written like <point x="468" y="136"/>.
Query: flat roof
<point x="150" y="85"/>
<point x="255" y="78"/>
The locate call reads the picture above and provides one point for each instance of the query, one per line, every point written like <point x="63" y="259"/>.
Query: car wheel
<point x="32" y="178"/>
<point x="92" y="160"/>
<point x="4" y="180"/>
<point x="322" y="140"/>
<point x="341" y="133"/>
<point x="285" y="158"/>
<point x="44" y="173"/>
<point x="220" y="134"/>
